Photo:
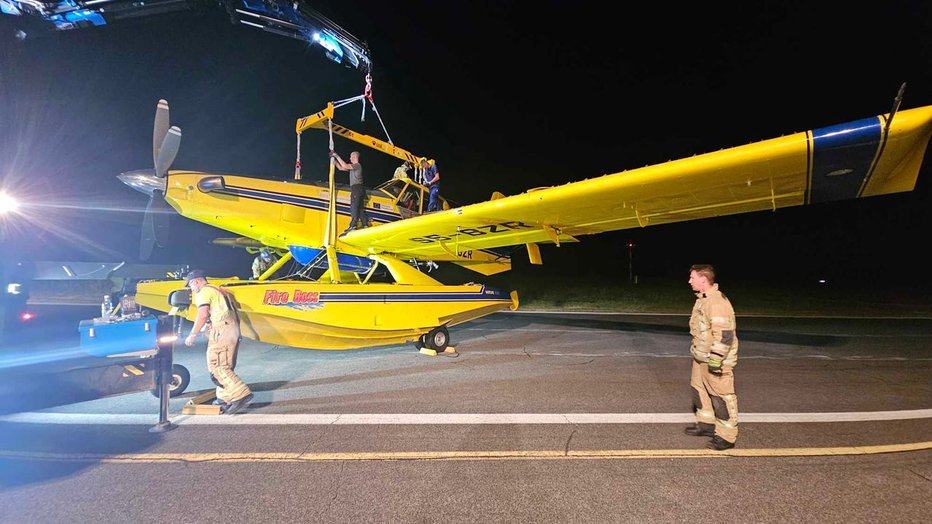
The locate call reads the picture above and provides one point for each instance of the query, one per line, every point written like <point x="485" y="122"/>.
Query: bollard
<point x="166" y="341"/>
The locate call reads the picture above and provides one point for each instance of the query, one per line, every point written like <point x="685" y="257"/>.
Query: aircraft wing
<point x="858" y="159"/>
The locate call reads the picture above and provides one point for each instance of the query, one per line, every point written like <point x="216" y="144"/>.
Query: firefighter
<point x="263" y="261"/>
<point x="715" y="354"/>
<point x="401" y="172"/>
<point x="216" y="310"/>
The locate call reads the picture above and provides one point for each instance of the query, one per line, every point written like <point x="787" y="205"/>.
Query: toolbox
<point x="134" y="335"/>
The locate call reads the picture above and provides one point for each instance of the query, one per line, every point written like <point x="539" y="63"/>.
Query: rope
<point x="341" y="103"/>
<point x="384" y="130"/>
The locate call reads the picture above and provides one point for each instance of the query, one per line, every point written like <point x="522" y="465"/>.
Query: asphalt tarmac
<point x="538" y="417"/>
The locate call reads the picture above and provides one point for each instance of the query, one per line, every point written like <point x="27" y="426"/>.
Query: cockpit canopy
<point x="410" y="198"/>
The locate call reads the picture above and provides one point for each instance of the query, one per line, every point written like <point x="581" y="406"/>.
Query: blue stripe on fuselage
<point x="842" y="157"/>
<point x="306" y="202"/>
<point x="321" y="205"/>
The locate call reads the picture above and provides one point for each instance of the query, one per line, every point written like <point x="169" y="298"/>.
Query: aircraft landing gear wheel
<point x="180" y="379"/>
<point x="421" y="342"/>
<point x="438" y="339"/>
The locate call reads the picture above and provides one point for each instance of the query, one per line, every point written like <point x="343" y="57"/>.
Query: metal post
<point x="165" y="377"/>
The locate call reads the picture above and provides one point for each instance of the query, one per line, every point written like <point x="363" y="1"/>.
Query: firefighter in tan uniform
<point x="215" y="310"/>
<point x="715" y="354"/>
<point x="263" y="261"/>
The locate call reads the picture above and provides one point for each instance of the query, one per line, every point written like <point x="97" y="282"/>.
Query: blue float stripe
<point x="842" y="158"/>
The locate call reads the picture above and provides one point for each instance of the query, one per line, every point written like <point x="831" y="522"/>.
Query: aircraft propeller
<point x="165" y="143"/>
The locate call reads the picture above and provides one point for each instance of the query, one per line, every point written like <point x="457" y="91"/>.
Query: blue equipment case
<point x="107" y="338"/>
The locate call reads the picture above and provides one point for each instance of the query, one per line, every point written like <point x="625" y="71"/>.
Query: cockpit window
<point x="393" y="187"/>
<point x="410" y="200"/>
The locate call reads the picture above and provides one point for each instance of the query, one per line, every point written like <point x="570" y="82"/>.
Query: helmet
<point x="265" y="254"/>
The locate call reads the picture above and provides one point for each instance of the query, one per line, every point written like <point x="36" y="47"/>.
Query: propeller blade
<point x="167" y="151"/>
<point x="147" y="240"/>
<point x="161" y="215"/>
<point x="159" y="130"/>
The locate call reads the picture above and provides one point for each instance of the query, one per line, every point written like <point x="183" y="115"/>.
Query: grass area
<point x="647" y="296"/>
<point x="748" y="298"/>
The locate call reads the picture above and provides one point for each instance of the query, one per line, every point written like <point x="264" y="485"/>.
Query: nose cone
<point x="144" y="181"/>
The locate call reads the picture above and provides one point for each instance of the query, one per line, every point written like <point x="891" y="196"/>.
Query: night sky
<point x="505" y="96"/>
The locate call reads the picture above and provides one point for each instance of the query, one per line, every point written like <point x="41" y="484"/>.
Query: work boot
<point x="700" y="430"/>
<point x="237" y="405"/>
<point x="719" y="444"/>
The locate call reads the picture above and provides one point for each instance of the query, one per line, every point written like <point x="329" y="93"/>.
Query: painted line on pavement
<point x="749" y="315"/>
<point x="261" y="419"/>
<point x="148" y="458"/>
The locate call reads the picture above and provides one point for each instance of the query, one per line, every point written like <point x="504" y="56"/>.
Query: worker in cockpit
<point x="401" y="172"/>
<point x="263" y="261"/>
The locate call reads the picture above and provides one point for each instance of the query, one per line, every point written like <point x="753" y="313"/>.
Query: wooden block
<point x="200" y="409"/>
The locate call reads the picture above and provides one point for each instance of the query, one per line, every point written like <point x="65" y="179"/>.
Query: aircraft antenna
<point x="883" y="143"/>
<point x="896" y="107"/>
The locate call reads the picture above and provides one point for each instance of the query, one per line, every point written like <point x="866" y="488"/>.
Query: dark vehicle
<point x="14" y="296"/>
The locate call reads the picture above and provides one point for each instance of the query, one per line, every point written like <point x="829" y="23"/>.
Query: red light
<point x="27" y="316"/>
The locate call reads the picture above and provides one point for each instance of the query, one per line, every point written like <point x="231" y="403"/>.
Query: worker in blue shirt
<point x="432" y="178"/>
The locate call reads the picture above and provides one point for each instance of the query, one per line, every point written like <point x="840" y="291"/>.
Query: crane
<point x="291" y="18"/>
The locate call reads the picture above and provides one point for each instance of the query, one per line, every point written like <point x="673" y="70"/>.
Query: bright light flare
<point x="27" y="316"/>
<point x="8" y="204"/>
<point x="168" y="339"/>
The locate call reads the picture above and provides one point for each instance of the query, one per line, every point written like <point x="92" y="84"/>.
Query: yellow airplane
<point x="873" y="156"/>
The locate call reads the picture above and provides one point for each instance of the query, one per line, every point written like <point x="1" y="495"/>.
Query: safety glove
<point x="715" y="364"/>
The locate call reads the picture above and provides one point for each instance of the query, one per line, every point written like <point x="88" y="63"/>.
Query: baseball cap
<point x="196" y="273"/>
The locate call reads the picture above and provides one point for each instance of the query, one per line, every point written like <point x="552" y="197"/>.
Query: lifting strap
<point x="297" y="162"/>
<point x="366" y="95"/>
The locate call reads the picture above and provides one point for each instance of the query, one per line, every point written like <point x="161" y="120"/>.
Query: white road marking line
<point x="680" y="354"/>
<point x="261" y="419"/>
<point x="682" y="333"/>
<point x="223" y="458"/>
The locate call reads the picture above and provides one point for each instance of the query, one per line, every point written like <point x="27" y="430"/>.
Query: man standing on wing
<point x="357" y="189"/>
